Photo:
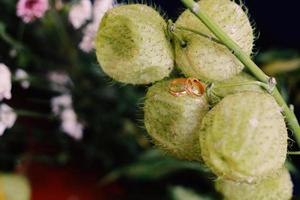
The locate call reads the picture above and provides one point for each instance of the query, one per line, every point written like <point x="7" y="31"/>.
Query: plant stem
<point x="258" y="83"/>
<point x="294" y="153"/>
<point x="199" y="33"/>
<point x="9" y="40"/>
<point x="246" y="60"/>
<point x="27" y="113"/>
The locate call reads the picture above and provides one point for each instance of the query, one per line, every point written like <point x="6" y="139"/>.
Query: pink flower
<point x="29" y="10"/>
<point x="80" y="13"/>
<point x="99" y="9"/>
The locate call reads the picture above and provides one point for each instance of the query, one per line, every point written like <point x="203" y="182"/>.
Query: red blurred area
<point x="66" y="183"/>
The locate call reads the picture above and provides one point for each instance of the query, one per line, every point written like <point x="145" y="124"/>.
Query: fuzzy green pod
<point x="14" y="187"/>
<point x="172" y="121"/>
<point x="204" y="58"/>
<point x="131" y="45"/>
<point x="278" y="187"/>
<point x="244" y="137"/>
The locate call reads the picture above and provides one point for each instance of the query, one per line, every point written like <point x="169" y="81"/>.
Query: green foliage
<point x="153" y="165"/>
<point x="182" y="193"/>
<point x="107" y="109"/>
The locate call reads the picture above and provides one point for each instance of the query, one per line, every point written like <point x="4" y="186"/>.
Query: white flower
<point x="80" y="13"/>
<point x="99" y="9"/>
<point x="5" y="82"/>
<point x="62" y="107"/>
<point x="13" y="53"/>
<point x="59" y="81"/>
<point x="2" y="129"/>
<point x="58" y="77"/>
<point x="7" y="118"/>
<point x="22" y="76"/>
<point x="87" y="42"/>
<point x="70" y="124"/>
<point x="60" y="103"/>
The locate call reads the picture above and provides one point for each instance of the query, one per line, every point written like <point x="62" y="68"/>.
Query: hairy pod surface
<point x="204" y="58"/>
<point x="278" y="187"/>
<point x="172" y="121"/>
<point x="244" y="137"/>
<point x="14" y="187"/>
<point x="131" y="45"/>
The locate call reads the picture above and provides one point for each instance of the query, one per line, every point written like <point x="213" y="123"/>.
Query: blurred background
<point x="74" y="134"/>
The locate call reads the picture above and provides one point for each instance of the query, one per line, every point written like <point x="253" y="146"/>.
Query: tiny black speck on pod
<point x="172" y="121"/>
<point x="244" y="137"/>
<point x="131" y="45"/>
<point x="205" y="59"/>
<point x="277" y="187"/>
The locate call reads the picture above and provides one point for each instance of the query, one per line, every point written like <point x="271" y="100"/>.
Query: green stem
<point x="258" y="83"/>
<point x="199" y="33"/>
<point x="294" y="153"/>
<point x="9" y="40"/>
<point x="247" y="61"/>
<point x="27" y="113"/>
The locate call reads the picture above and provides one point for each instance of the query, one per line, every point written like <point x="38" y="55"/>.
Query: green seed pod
<point x="172" y="121"/>
<point x="240" y="83"/>
<point x="14" y="187"/>
<point x="278" y="187"/>
<point x="244" y="137"/>
<point x="204" y="58"/>
<point x="131" y="45"/>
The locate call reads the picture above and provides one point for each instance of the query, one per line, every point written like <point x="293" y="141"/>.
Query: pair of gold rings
<point x="183" y="86"/>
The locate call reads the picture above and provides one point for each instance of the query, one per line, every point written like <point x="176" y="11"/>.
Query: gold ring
<point x="195" y="87"/>
<point x="177" y="87"/>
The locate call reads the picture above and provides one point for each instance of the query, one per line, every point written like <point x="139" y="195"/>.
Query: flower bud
<point x="131" y="45"/>
<point x="204" y="58"/>
<point x="244" y="137"/>
<point x="172" y="121"/>
<point x="278" y="187"/>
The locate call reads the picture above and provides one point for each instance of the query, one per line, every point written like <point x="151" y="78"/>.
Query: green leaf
<point x="276" y="54"/>
<point x="182" y="193"/>
<point x="281" y="66"/>
<point x="153" y="165"/>
<point x="2" y="27"/>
